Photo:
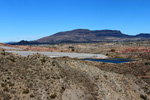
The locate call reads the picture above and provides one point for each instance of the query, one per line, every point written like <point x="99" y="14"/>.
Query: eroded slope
<point x="38" y="77"/>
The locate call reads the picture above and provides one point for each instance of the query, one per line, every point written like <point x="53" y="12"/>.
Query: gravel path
<point x="60" y="54"/>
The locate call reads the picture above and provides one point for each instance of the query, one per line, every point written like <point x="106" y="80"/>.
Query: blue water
<point x="115" y="60"/>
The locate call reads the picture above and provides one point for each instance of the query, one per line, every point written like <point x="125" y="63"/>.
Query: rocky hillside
<point x="38" y="77"/>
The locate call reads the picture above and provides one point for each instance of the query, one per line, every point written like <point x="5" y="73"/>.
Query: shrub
<point x="53" y="96"/>
<point x="112" y="50"/>
<point x="72" y="49"/>
<point x="12" y="59"/>
<point x="143" y="97"/>
<point x="43" y="60"/>
<point x="32" y="96"/>
<point x="6" y="89"/>
<point x="147" y="63"/>
<point x="63" y="88"/>
<point x="107" y="54"/>
<point x="53" y="63"/>
<point x="3" y="85"/>
<point x="26" y="91"/>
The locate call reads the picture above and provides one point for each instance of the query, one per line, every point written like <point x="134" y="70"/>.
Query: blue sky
<point x="33" y="19"/>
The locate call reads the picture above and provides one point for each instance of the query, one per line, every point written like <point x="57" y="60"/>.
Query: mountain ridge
<point x="86" y="36"/>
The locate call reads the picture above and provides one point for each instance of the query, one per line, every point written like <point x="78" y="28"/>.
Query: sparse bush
<point x="3" y="85"/>
<point x="6" y="70"/>
<point x="26" y="91"/>
<point x="6" y="89"/>
<point x="12" y="59"/>
<point x="53" y="96"/>
<point x="43" y="60"/>
<point x="147" y="63"/>
<point x="32" y="96"/>
<point x="107" y="54"/>
<point x="112" y="50"/>
<point x="55" y="77"/>
<point x="63" y="88"/>
<point x="72" y="49"/>
<point x="10" y="84"/>
<point x="143" y="97"/>
<point x="53" y="63"/>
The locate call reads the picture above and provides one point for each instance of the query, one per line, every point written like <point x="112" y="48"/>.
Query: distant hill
<point x="143" y="35"/>
<point x="82" y="35"/>
<point x="86" y="36"/>
<point x="23" y="42"/>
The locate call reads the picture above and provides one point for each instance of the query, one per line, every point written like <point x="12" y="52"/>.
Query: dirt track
<point x="60" y="54"/>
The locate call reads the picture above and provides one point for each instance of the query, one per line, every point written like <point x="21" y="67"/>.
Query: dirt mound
<point x="38" y="77"/>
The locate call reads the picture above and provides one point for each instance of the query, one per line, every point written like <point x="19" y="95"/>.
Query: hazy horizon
<point x="33" y="19"/>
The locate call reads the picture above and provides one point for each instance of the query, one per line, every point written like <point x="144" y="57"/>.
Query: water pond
<point x="112" y="60"/>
